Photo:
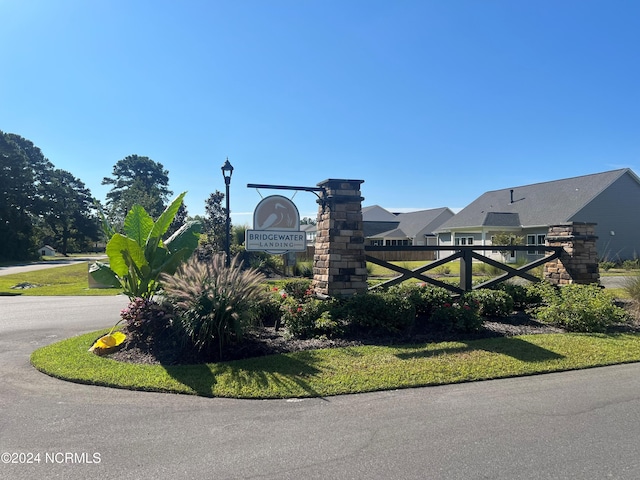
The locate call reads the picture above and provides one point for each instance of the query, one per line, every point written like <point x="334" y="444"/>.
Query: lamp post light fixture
<point x="227" y="171"/>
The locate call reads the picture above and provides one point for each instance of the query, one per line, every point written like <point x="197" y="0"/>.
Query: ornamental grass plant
<point x="214" y="304"/>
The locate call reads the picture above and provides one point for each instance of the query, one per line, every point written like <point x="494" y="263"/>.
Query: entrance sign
<point x="275" y="241"/>
<point x="276" y="224"/>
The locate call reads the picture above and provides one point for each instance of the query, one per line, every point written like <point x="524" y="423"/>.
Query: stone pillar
<point x="578" y="262"/>
<point x="339" y="265"/>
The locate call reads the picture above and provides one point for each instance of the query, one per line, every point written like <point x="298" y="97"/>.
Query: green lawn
<point x="319" y="373"/>
<point x="63" y="280"/>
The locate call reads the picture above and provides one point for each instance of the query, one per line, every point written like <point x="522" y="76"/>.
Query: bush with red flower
<point x="460" y="316"/>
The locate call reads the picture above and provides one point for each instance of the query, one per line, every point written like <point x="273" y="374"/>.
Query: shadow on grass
<point x="277" y="373"/>
<point x="198" y="378"/>
<point x="510" y="346"/>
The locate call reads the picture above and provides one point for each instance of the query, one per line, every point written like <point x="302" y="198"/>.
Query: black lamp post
<point x="227" y="171"/>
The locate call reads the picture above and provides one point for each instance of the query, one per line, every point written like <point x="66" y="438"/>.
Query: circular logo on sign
<point x="276" y="213"/>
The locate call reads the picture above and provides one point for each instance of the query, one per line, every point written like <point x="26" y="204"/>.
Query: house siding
<point x="606" y="212"/>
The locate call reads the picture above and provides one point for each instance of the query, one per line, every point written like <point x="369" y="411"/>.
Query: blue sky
<point x="431" y="103"/>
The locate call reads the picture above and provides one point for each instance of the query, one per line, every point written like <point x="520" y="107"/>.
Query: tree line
<point x="43" y="205"/>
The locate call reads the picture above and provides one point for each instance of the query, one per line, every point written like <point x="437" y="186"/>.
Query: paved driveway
<point x="573" y="425"/>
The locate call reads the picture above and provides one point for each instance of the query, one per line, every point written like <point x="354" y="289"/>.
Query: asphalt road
<point x="572" y="425"/>
<point x="30" y="267"/>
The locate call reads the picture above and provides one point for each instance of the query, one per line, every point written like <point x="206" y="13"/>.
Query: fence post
<point x="578" y="262"/>
<point x="339" y="264"/>
<point x="466" y="270"/>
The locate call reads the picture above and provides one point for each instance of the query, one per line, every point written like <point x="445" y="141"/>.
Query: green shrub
<point x="630" y="264"/>
<point x="582" y="308"/>
<point x="442" y="270"/>
<point x="298" y="288"/>
<point x="268" y="312"/>
<point x="518" y="293"/>
<point x="379" y="312"/>
<point x="541" y="293"/>
<point x="461" y="316"/>
<point x="606" y="266"/>
<point x="265" y="263"/>
<point x="491" y="303"/>
<point x="304" y="269"/>
<point x="425" y="298"/>
<point x="214" y="304"/>
<point x="310" y="318"/>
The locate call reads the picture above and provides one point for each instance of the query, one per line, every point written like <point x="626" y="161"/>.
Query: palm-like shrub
<point x="214" y="304"/>
<point x="140" y="256"/>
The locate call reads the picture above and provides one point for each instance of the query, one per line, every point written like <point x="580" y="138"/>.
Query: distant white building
<point x="47" y="251"/>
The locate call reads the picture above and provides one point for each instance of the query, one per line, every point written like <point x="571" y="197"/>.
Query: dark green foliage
<point x="423" y="308"/>
<point x="460" y="316"/>
<point x="518" y="293"/>
<point x="17" y="194"/>
<point x="581" y="308"/>
<point x="312" y="318"/>
<point x="304" y="269"/>
<point x="269" y="312"/>
<point x="264" y="262"/>
<point x="214" y="226"/>
<point x="298" y="288"/>
<point x="541" y="293"/>
<point x="606" y="266"/>
<point x="425" y="298"/>
<point x="140" y="181"/>
<point x="379" y="312"/>
<point x="40" y="204"/>
<point x="70" y="222"/>
<point x="491" y="303"/>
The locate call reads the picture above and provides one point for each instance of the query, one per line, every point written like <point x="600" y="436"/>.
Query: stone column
<point x="578" y="262"/>
<point x="339" y="265"/>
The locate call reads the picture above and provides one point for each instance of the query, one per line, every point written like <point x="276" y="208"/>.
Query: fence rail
<point x="466" y="254"/>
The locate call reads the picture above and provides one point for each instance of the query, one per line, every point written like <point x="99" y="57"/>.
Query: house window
<point x="535" y="240"/>
<point x="377" y="243"/>
<point x="464" y="240"/>
<point x="397" y="243"/>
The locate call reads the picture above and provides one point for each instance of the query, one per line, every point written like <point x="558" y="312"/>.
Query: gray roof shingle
<point x="537" y="204"/>
<point x="411" y="223"/>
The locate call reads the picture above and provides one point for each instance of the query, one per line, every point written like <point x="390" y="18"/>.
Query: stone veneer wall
<point x="339" y="265"/>
<point x="578" y="263"/>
